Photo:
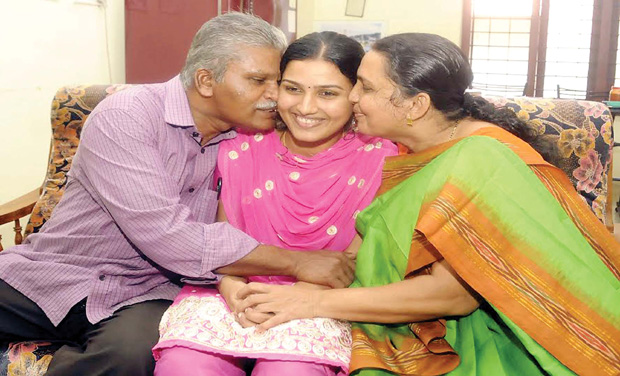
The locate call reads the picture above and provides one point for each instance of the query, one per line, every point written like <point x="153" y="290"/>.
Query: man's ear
<point x="419" y="105"/>
<point x="203" y="82"/>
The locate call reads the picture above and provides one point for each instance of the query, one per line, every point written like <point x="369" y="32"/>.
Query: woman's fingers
<point x="275" y="320"/>
<point x="252" y="288"/>
<point x="252" y="301"/>
<point x="244" y="321"/>
<point x="257" y="316"/>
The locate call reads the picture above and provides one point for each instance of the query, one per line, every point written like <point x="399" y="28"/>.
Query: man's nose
<point x="272" y="91"/>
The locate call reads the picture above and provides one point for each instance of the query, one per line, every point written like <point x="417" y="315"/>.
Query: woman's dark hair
<point x="344" y="52"/>
<point x="429" y="63"/>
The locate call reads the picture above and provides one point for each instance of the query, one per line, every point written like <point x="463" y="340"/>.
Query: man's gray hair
<point x="219" y="40"/>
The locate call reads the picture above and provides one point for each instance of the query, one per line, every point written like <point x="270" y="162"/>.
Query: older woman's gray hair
<point x="219" y="40"/>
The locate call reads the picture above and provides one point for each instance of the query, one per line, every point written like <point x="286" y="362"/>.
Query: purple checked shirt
<point x="138" y="205"/>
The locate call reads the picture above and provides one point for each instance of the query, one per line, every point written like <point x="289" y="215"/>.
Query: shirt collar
<point x="176" y="105"/>
<point x="232" y="133"/>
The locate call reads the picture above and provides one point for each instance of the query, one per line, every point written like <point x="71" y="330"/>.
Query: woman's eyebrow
<point x="317" y="86"/>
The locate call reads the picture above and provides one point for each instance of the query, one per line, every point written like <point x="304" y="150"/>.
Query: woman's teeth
<point x="307" y="121"/>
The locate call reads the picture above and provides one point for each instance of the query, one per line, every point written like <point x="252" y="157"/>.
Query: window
<point x="500" y="40"/>
<point x="544" y="48"/>
<point x="567" y="57"/>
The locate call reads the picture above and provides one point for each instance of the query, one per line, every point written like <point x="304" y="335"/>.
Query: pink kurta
<point x="294" y="202"/>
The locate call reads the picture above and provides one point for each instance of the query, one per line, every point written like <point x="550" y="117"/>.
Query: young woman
<point x="478" y="256"/>
<point x="300" y="187"/>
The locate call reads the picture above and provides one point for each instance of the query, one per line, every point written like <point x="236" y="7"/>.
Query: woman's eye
<point x="291" y="89"/>
<point x="328" y="93"/>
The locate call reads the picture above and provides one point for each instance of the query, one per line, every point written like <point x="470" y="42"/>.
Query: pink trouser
<point x="180" y="361"/>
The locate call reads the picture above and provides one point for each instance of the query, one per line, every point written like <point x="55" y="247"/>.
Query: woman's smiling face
<point x="313" y="103"/>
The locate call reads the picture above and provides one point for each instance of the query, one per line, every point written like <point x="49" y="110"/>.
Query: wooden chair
<point x="566" y="93"/>
<point x="499" y="90"/>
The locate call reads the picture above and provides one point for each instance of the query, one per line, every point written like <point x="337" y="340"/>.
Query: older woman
<point x="478" y="256"/>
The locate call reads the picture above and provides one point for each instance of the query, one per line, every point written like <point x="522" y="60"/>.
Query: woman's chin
<point x="364" y="129"/>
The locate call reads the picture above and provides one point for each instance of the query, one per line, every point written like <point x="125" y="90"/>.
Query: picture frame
<point x="365" y="32"/>
<point x="355" y="8"/>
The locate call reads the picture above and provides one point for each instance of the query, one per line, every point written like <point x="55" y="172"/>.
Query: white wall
<point x="47" y="44"/>
<point x="443" y="17"/>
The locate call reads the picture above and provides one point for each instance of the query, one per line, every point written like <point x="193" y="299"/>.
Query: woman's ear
<point x="203" y="82"/>
<point x="419" y="105"/>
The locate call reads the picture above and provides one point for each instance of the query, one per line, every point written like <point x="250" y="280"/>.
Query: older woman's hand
<point x="271" y="305"/>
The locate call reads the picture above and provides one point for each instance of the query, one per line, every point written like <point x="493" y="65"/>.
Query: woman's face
<point x="313" y="102"/>
<point x="374" y="110"/>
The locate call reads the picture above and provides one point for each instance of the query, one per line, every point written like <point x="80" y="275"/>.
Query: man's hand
<point x="333" y="269"/>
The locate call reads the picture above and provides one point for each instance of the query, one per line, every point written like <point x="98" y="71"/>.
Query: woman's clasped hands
<point x="265" y="306"/>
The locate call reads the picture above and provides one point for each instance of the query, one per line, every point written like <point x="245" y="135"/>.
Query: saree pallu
<point x="514" y="229"/>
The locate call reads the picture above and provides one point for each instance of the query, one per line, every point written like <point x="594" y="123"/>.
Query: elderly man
<point x="138" y="212"/>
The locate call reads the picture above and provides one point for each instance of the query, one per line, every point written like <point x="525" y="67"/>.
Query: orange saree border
<point x="423" y="357"/>
<point x="565" y="326"/>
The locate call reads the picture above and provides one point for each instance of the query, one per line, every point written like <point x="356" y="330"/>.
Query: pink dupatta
<point x="296" y="202"/>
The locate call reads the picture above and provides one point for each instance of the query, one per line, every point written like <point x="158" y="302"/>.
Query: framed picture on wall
<point x="365" y="32"/>
<point x="355" y="8"/>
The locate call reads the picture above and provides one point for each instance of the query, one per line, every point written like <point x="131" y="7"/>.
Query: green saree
<point x="516" y="232"/>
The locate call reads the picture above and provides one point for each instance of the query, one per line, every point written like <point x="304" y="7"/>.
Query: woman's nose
<point x="308" y="104"/>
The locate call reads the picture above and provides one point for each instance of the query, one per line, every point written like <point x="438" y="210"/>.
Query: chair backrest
<point x="567" y="93"/>
<point x="579" y="94"/>
<point x="500" y="90"/>
<point x="70" y="109"/>
<point x="583" y="133"/>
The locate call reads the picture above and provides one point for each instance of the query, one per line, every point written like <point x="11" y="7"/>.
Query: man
<point x="139" y="208"/>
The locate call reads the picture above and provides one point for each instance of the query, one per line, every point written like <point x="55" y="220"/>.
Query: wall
<point x="441" y="17"/>
<point x="47" y="44"/>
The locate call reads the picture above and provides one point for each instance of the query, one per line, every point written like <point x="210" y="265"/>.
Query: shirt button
<point x="191" y="190"/>
<point x="102" y="277"/>
<point x="195" y="134"/>
<point x="202" y="150"/>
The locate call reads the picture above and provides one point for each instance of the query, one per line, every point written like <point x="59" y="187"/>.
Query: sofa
<point x="581" y="132"/>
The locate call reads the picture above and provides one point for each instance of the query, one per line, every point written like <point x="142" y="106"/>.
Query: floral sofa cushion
<point x="582" y="134"/>
<point x="27" y="358"/>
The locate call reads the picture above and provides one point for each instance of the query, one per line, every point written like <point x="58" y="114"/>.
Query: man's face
<point x="246" y="97"/>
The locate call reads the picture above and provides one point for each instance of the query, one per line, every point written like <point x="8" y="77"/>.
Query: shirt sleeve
<point x="119" y="162"/>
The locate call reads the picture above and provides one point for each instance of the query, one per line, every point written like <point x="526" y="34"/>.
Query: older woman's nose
<point x="354" y="95"/>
